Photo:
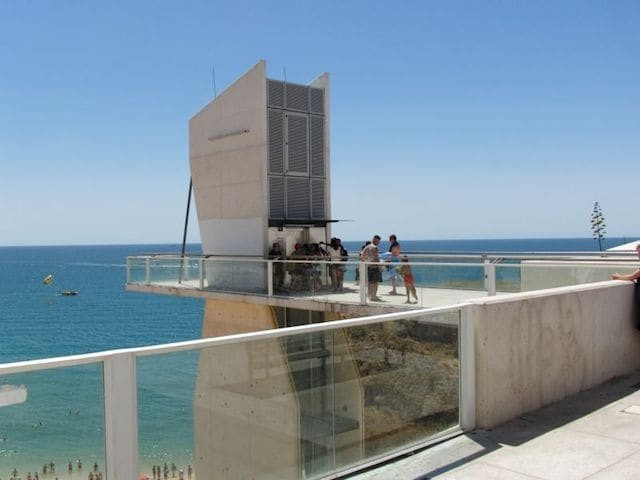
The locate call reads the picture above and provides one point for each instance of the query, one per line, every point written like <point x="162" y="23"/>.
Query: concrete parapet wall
<point x="536" y="348"/>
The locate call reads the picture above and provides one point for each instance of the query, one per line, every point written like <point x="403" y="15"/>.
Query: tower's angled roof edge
<point x="260" y="64"/>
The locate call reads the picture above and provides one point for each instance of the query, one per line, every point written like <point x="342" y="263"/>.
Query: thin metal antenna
<point x="284" y="71"/>
<point x="213" y="76"/>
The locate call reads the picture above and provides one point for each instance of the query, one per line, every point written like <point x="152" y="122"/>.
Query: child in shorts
<point x="407" y="277"/>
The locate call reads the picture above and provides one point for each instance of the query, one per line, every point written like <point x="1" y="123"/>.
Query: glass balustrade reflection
<point x="305" y="277"/>
<point x="237" y="276"/>
<point x="407" y="375"/>
<point x="299" y="406"/>
<point x="455" y="276"/>
<point x="166" y="270"/>
<point x="166" y="386"/>
<point x="137" y="270"/>
<point x="52" y="423"/>
<point x="189" y="272"/>
<point x="541" y="274"/>
<point x="508" y="278"/>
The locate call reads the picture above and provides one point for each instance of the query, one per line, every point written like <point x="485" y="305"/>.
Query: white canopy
<point x="627" y="247"/>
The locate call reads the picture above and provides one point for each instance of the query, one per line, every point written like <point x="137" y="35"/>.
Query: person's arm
<point x="631" y="277"/>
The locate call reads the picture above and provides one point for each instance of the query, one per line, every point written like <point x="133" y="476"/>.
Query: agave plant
<point x="597" y="224"/>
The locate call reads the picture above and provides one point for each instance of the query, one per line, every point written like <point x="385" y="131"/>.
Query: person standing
<point x="336" y="270"/>
<point x="393" y="242"/>
<point x="371" y="255"/>
<point x="407" y="277"/>
<point x="394" y="248"/>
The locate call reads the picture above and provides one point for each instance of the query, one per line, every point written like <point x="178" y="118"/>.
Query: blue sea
<point x="62" y="419"/>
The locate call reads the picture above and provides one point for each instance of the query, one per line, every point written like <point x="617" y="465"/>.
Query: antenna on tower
<point x="213" y="76"/>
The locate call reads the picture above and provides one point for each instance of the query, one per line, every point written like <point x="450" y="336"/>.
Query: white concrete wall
<point x="323" y="82"/>
<point x="536" y="348"/>
<point x="228" y="167"/>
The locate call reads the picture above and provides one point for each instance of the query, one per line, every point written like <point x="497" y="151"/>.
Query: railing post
<point x="270" y="278"/>
<point x="467" y="396"/>
<point x="489" y="277"/>
<point x="128" y="270"/>
<point x="362" y="269"/>
<point x="147" y="274"/>
<point x="121" y="417"/>
<point x="201" y="273"/>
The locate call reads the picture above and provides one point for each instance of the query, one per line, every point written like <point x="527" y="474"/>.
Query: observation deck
<point x="440" y="279"/>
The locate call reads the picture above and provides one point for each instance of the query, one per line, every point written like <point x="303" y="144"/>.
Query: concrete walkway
<point x="593" y="435"/>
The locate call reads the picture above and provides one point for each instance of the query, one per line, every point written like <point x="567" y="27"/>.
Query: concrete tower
<point x="259" y="157"/>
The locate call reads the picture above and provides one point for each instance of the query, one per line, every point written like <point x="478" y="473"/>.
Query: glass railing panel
<point x="166" y="386"/>
<point x="52" y="423"/>
<point x="310" y="362"/>
<point x="300" y="406"/>
<point x="235" y="275"/>
<point x="320" y="280"/>
<point x="455" y="276"/>
<point x="305" y="277"/>
<point x="236" y="410"/>
<point x="166" y="270"/>
<point x="406" y="374"/>
<point x="508" y="278"/>
<point x="541" y="274"/>
<point x="137" y="270"/>
<point x="189" y="273"/>
<point x="425" y="284"/>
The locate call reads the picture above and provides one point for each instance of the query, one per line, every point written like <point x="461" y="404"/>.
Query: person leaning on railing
<point x="631" y="276"/>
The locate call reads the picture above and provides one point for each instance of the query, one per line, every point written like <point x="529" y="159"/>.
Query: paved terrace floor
<point x="592" y="435"/>
<point x="427" y="297"/>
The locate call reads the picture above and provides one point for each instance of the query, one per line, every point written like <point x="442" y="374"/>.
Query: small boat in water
<point x="68" y="293"/>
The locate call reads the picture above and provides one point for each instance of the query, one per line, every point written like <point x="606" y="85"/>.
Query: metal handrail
<point x="567" y="256"/>
<point x="89" y="358"/>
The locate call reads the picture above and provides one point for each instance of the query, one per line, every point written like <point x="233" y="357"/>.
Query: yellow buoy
<point x="48" y="280"/>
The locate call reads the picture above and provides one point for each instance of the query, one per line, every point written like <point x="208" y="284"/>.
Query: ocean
<point x="62" y="419"/>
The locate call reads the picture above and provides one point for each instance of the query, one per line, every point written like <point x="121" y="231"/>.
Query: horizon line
<point x="466" y="239"/>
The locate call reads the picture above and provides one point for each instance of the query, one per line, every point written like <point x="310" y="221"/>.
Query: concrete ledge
<point x="535" y="348"/>
<point x="320" y="304"/>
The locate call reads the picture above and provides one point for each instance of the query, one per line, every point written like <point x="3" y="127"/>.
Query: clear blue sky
<point x="449" y="119"/>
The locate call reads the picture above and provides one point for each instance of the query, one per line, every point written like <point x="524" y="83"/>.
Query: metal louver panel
<point x="317" y="146"/>
<point x="298" y="204"/>
<point x="275" y="93"/>
<point x="297" y="151"/>
<point x="316" y="99"/>
<point x="297" y="97"/>
<point x="276" y="141"/>
<point x="317" y="199"/>
<point x="276" y="198"/>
